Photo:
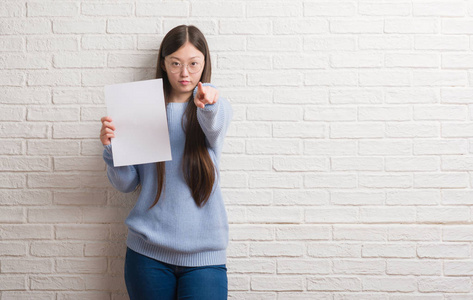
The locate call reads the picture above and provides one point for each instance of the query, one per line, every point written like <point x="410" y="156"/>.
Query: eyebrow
<point x="179" y="58"/>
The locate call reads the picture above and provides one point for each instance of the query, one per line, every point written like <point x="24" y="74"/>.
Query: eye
<point x="175" y="63"/>
<point x="195" y="63"/>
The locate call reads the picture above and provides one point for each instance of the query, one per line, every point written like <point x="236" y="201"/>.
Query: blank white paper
<point x="138" y="111"/>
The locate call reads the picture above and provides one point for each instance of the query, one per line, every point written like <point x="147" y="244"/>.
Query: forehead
<point x="186" y="52"/>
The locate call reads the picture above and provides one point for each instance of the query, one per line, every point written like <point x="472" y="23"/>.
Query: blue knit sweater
<point x="176" y="230"/>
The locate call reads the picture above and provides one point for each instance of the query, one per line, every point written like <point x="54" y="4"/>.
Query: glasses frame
<point x="186" y="66"/>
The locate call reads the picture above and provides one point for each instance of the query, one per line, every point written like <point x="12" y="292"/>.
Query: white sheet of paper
<point x="138" y="111"/>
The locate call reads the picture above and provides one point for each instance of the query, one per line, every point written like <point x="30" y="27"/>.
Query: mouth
<point x="184" y="82"/>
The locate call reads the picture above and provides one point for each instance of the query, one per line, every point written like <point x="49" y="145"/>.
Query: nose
<point x="184" y="71"/>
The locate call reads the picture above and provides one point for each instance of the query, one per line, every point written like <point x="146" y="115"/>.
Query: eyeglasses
<point x="193" y="67"/>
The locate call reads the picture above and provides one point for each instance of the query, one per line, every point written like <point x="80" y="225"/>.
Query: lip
<point x="184" y="82"/>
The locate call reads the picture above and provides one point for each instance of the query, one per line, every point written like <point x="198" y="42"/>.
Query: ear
<point x="163" y="66"/>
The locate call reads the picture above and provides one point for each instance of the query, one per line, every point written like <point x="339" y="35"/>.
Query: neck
<point x="180" y="98"/>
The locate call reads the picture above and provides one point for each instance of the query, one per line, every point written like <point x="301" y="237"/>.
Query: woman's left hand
<point x="205" y="95"/>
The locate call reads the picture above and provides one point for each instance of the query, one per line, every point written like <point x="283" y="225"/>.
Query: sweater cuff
<point x="108" y="148"/>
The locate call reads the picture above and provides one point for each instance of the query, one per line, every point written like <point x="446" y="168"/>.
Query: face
<point x="184" y="82"/>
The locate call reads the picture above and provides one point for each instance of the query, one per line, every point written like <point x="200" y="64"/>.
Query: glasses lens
<point x="194" y="67"/>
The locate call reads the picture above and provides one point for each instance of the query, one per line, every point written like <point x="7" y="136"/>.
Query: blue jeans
<point x="150" y="279"/>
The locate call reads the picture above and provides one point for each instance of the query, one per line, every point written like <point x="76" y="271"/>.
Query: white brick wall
<point x="347" y="171"/>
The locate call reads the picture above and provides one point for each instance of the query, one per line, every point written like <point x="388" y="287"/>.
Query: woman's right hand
<point x="107" y="131"/>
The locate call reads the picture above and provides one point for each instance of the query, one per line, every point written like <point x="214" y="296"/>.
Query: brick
<point x="280" y="283"/>
<point x="300" y="197"/>
<point x="437" y="42"/>
<point x="385" y="181"/>
<point x="274" y="113"/>
<point x="389" y="284"/>
<point x="385" y="147"/>
<point x="457" y="197"/>
<point x="57" y="249"/>
<point x="303" y="266"/>
<point x="25" y="197"/>
<point x="12" y="282"/>
<point x="387" y="214"/>
<point x="259" y="9"/>
<point x="362" y="267"/>
<point x="329" y="43"/>
<point x="357" y="26"/>
<point x="12" y="215"/>
<point x="24" y="26"/>
<point x="456" y="95"/>
<point x="246" y="27"/>
<point x="251" y="232"/>
<point x="108" y="9"/>
<point x="414" y="233"/>
<point x="12" y="181"/>
<point x="81" y="265"/>
<point x="26" y="96"/>
<point x="445" y="250"/>
<point x="360" y="233"/>
<point x="413" y="129"/>
<point x="276" y="249"/>
<point x="52" y="44"/>
<point x="300" y="164"/>
<point x="331" y="215"/>
<point x="274" y="43"/>
<point x="334" y="283"/>
<point x="57" y="282"/>
<point x="104" y="42"/>
<point x="51" y="9"/>
<point x="362" y="197"/>
<point x="253" y="265"/>
<point x="28" y="61"/>
<point x="329" y="9"/>
<point x="273" y="146"/>
<point x="384" y="9"/>
<point x="330" y="249"/>
<point x="79" y="26"/>
<point x="413" y="267"/>
<point x="303" y="232"/>
<point x="413" y="197"/>
<point x="249" y="129"/>
<point x="444" y="284"/>
<point x="243" y="163"/>
<point x="11" y="9"/>
<point x="457" y="130"/>
<point x="356" y="164"/>
<point x="300" y="26"/>
<point x="12" y="44"/>
<point x="321" y="113"/>
<point x="332" y="180"/>
<point x="54" y="215"/>
<point x="391" y="250"/>
<point x="79" y="164"/>
<point x="274" y="214"/>
<point x="26" y="266"/>
<point x="441" y="180"/>
<point x="299" y="130"/>
<point x="358" y="130"/>
<point x="243" y="62"/>
<point x="217" y="9"/>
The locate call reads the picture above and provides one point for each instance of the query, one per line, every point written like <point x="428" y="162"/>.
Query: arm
<point x="214" y="119"/>
<point x="124" y="178"/>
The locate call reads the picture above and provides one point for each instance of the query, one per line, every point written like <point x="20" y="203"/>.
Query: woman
<point x="178" y="228"/>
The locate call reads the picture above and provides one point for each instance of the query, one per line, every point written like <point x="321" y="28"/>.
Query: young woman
<point x="178" y="228"/>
